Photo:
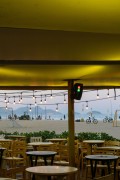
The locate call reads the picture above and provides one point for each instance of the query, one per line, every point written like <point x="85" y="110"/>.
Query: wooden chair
<point x="52" y="147"/>
<point x="36" y="139"/>
<point x="111" y="143"/>
<point x="17" y="161"/>
<point x="83" y="153"/>
<point x="100" y="167"/>
<point x="118" y="164"/>
<point x="7" y="145"/>
<point x="63" y="156"/>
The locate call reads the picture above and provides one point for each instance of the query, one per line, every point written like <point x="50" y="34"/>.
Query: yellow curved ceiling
<point x="68" y="15"/>
<point x="87" y="32"/>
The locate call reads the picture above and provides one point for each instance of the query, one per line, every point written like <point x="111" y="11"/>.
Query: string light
<point x="21" y="97"/>
<point x="19" y="100"/>
<point x="64" y="99"/>
<point x="14" y="100"/>
<point x="97" y="95"/>
<point x="51" y="95"/>
<point x="108" y="94"/>
<point x="5" y="97"/>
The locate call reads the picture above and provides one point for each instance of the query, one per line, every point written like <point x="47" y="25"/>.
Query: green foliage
<point x="64" y="134"/>
<point x="51" y="134"/>
<point x="93" y="136"/>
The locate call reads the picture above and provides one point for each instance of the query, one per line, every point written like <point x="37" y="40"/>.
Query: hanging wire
<point x="114" y="94"/>
<point x="33" y="95"/>
<point x="45" y="99"/>
<point x="8" y="101"/>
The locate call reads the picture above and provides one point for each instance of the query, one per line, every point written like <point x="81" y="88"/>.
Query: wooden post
<point x="71" y="124"/>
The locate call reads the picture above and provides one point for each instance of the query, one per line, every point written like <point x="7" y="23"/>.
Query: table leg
<point x="1" y="154"/>
<point x="115" y="162"/>
<point x="92" y="170"/>
<point x="108" y="164"/>
<point x="33" y="177"/>
<point x="52" y="158"/>
<point x="45" y="160"/>
<point x="36" y="160"/>
<point x="31" y="161"/>
<point x="95" y="169"/>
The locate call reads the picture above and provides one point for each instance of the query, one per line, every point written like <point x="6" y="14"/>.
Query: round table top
<point x="40" y="143"/>
<point x="101" y="157"/>
<point x="52" y="170"/>
<point x="2" y="149"/>
<point x="41" y="153"/>
<point x="93" y="141"/>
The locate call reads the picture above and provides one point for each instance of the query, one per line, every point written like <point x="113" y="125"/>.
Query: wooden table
<point x="45" y="172"/>
<point x="104" y="159"/>
<point x="44" y="154"/>
<point x="36" y="144"/>
<point x="57" y="140"/>
<point x="92" y="142"/>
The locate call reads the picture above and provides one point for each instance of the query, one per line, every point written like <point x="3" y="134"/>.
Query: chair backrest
<point x="7" y="145"/>
<point x="112" y="143"/>
<point x="51" y="147"/>
<point x="64" y="152"/>
<point x="99" y="150"/>
<point x="77" y="155"/>
<point x="36" y="139"/>
<point x="19" y="149"/>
